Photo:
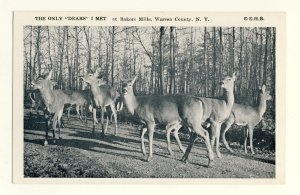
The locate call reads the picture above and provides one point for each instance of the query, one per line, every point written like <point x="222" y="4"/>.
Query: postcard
<point x="149" y="97"/>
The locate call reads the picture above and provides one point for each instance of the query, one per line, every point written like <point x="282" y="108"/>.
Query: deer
<point x="82" y="100"/>
<point x="54" y="100"/>
<point x="102" y="96"/>
<point x="170" y="110"/>
<point x="214" y="112"/>
<point x="247" y="116"/>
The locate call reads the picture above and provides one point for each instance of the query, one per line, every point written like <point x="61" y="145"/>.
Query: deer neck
<point x="95" y="89"/>
<point x="262" y="106"/>
<point x="131" y="103"/>
<point x="229" y="98"/>
<point x="47" y="95"/>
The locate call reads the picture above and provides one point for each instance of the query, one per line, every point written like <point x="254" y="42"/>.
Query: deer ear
<point x="259" y="87"/>
<point x="49" y="75"/>
<point x="133" y="80"/>
<point x="234" y="75"/>
<point x="100" y="82"/>
<point x="54" y="83"/>
<point x="263" y="88"/>
<point x="97" y="72"/>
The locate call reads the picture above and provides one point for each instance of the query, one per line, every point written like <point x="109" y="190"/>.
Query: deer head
<point x="42" y="81"/>
<point x="91" y="77"/>
<point x="128" y="87"/>
<point x="228" y="82"/>
<point x="263" y="94"/>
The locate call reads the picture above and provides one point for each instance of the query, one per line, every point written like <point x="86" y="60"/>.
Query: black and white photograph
<point x="154" y="101"/>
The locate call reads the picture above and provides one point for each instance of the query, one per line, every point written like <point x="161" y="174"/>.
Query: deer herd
<point x="202" y="116"/>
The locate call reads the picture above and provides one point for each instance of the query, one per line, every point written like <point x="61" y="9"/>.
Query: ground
<point x="79" y="154"/>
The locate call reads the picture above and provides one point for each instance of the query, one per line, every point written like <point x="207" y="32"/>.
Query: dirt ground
<point x="79" y="154"/>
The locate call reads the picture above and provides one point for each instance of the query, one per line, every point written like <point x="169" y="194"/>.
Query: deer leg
<point x="177" y="138"/>
<point x="102" y="118"/>
<point x="150" y="127"/>
<point x="227" y="124"/>
<point x="245" y="141"/>
<point x="77" y="111"/>
<point x="250" y="128"/>
<point x="168" y="132"/>
<point x="204" y="134"/>
<point x="106" y="124"/>
<point x="54" y="124"/>
<point x="94" y="110"/>
<point x="213" y="135"/>
<point x="81" y="113"/>
<point x="218" y="129"/>
<point x="85" y="114"/>
<point x="143" y="131"/>
<point x="60" y="112"/>
<point x="169" y="129"/>
<point x="62" y="124"/>
<point x="47" y="124"/>
<point x="94" y="118"/>
<point x="69" y="110"/>
<point x="114" y="113"/>
<point x="193" y="137"/>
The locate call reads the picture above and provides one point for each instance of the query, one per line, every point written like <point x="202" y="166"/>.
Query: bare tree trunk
<point x="214" y="62"/>
<point x="49" y="50"/>
<point x="221" y="59"/>
<point x="112" y="54"/>
<point x="38" y="49"/>
<point x="205" y="64"/>
<point x="68" y="60"/>
<point x="161" y="64"/>
<point x="30" y="57"/>
<point x="233" y="49"/>
<point x="260" y="67"/>
<point x="99" y="50"/>
<point x="88" y="41"/>
<point x="77" y="57"/>
<point x="61" y="61"/>
<point x="266" y="57"/>
<point x="240" y="64"/>
<point x="172" y="63"/>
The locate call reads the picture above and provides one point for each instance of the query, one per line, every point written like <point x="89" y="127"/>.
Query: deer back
<point x="159" y="109"/>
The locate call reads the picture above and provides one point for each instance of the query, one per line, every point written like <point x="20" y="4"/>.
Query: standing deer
<point x="102" y="96"/>
<point x="247" y="116"/>
<point x="164" y="109"/>
<point x="54" y="101"/>
<point x="215" y="112"/>
<point x="82" y="100"/>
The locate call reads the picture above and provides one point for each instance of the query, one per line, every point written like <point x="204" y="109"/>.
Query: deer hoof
<point x="210" y="163"/>
<point x="184" y="159"/>
<point x="219" y="155"/>
<point x="170" y="152"/>
<point x="149" y="158"/>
